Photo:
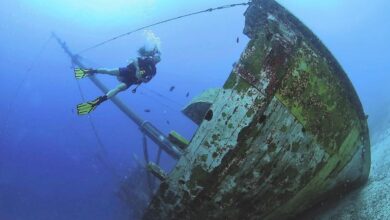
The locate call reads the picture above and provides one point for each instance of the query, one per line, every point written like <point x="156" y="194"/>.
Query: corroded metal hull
<point x="286" y="131"/>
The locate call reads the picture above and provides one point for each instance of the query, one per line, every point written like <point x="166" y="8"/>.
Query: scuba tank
<point x="153" y="54"/>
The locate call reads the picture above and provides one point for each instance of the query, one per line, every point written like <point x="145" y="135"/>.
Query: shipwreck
<point x="285" y="132"/>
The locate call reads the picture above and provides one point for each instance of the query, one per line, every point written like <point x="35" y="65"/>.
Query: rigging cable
<point x="98" y="139"/>
<point x="158" y="23"/>
<point x="161" y="22"/>
<point x="160" y="102"/>
<point x="101" y="155"/>
<point x="24" y="79"/>
<point x="136" y="30"/>
<point x="163" y="97"/>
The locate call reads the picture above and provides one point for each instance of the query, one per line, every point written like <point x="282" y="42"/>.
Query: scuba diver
<point x="139" y="71"/>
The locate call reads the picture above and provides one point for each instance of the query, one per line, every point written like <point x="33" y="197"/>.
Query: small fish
<point x="168" y="122"/>
<point x="147" y="110"/>
<point x="238" y="40"/>
<point x="172" y="88"/>
<point x="188" y="94"/>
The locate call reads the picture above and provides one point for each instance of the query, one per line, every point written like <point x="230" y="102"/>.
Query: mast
<point x="146" y="127"/>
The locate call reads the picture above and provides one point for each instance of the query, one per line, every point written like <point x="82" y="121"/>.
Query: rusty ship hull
<point x="286" y="131"/>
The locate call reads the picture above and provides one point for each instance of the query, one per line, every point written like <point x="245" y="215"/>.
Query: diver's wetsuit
<point x="128" y="75"/>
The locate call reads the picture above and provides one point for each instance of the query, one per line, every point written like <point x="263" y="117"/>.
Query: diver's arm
<point x="113" y="72"/>
<point x="120" y="88"/>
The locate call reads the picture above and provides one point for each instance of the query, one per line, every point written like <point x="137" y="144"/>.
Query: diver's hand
<point x="146" y="79"/>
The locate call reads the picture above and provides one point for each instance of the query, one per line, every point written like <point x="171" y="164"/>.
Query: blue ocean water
<point x="49" y="168"/>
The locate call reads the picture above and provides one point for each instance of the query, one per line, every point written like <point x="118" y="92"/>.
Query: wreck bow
<point x="286" y="131"/>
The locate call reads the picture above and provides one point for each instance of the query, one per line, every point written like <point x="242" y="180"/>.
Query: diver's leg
<point x="112" y="72"/>
<point x="121" y="87"/>
<point x="82" y="73"/>
<point x="86" y="108"/>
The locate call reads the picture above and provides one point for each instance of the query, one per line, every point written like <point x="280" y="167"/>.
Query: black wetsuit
<point x="128" y="75"/>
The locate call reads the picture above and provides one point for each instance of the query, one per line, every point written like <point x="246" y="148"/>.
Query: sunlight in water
<point x="99" y="13"/>
<point x="94" y="12"/>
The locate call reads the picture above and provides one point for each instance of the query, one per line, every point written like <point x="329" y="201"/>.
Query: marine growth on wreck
<point x="286" y="131"/>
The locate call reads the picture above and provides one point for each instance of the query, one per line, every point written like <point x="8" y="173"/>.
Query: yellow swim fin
<point x="88" y="107"/>
<point x="82" y="73"/>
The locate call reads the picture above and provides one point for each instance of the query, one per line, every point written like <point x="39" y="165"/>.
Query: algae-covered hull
<point x="286" y="131"/>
